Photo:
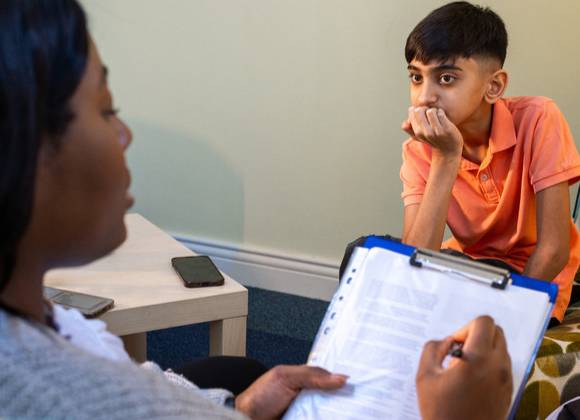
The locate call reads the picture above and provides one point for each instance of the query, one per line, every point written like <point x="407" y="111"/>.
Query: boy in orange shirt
<point x="496" y="170"/>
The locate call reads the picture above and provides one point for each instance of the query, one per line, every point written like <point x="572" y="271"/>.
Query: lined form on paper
<point x="381" y="316"/>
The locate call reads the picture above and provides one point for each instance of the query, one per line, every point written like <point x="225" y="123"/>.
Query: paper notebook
<point x="391" y="300"/>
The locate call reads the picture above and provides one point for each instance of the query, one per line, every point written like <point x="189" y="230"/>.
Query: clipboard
<point x="391" y="300"/>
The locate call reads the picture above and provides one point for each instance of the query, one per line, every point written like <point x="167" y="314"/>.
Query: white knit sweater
<point x="92" y="336"/>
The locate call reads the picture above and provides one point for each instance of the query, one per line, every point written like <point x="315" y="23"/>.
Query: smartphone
<point x="197" y="271"/>
<point x="90" y="306"/>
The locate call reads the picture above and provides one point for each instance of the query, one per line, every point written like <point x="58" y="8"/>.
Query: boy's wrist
<point x="449" y="160"/>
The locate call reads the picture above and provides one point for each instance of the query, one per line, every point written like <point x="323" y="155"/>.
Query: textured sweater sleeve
<point x="217" y="395"/>
<point x="44" y="376"/>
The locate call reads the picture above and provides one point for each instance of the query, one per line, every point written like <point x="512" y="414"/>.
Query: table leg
<point x="136" y="346"/>
<point x="228" y="337"/>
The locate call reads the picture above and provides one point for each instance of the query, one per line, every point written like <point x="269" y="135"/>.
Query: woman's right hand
<point x="478" y="385"/>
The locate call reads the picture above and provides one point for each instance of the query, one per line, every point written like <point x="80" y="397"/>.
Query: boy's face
<point x="457" y="86"/>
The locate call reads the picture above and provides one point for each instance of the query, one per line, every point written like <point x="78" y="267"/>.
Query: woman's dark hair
<point x="458" y="29"/>
<point x="44" y="48"/>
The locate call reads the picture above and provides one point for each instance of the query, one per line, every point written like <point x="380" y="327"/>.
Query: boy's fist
<point x="431" y="126"/>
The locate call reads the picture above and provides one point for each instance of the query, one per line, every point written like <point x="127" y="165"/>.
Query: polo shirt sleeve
<point x="415" y="165"/>
<point x="554" y="158"/>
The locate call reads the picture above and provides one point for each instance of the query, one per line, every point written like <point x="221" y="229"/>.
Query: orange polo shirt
<point x="492" y="212"/>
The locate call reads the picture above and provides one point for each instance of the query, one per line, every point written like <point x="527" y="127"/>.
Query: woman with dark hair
<point x="63" y="194"/>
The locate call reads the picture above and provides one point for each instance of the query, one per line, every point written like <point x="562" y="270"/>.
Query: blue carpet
<point x="281" y="329"/>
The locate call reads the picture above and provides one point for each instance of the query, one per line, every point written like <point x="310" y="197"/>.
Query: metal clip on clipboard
<point x="497" y="278"/>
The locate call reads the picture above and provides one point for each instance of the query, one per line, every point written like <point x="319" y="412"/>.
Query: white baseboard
<point x="296" y="275"/>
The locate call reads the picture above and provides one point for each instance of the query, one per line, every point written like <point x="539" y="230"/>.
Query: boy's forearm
<point x="429" y="224"/>
<point x="546" y="263"/>
<point x="552" y="224"/>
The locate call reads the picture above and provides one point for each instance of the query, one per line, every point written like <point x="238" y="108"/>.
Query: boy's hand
<point x="476" y="386"/>
<point x="431" y="125"/>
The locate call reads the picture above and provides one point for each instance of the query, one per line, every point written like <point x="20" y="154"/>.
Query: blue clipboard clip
<point x="496" y="277"/>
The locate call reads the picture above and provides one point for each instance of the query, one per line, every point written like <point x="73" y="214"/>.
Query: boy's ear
<point x="496" y="86"/>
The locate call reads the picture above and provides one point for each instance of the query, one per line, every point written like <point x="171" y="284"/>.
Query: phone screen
<point x="197" y="271"/>
<point x="89" y="305"/>
<point x="77" y="300"/>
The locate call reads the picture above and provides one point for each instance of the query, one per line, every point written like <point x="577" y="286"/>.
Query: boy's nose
<point x="427" y="97"/>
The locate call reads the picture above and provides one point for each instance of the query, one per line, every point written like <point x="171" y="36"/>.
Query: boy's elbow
<point x="557" y="256"/>
<point x="562" y="258"/>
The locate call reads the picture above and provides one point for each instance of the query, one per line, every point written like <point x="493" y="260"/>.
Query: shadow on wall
<point x="182" y="184"/>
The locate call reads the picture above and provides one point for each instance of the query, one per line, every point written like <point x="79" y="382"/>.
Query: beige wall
<point x="275" y="123"/>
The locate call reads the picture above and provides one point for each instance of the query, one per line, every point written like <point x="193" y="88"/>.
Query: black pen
<point x="456" y="349"/>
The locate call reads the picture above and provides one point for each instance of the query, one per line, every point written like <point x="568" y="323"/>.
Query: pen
<point x="456" y="349"/>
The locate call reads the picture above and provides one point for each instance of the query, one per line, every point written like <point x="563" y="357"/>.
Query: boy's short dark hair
<point x="458" y="29"/>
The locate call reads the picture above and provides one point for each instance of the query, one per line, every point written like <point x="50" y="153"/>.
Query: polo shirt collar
<point x="503" y="132"/>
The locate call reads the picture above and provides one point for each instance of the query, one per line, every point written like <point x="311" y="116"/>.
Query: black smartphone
<point x="197" y="271"/>
<point x="90" y="306"/>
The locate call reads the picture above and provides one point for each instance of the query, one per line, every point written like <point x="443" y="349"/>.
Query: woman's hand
<point x="478" y="385"/>
<point x="271" y="394"/>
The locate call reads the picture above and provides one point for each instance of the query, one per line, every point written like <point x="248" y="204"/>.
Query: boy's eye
<point x="415" y="78"/>
<point x="446" y="79"/>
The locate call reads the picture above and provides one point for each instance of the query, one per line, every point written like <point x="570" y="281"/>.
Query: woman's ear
<point x="496" y="86"/>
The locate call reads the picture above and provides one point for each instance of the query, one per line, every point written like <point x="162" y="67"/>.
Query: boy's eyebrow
<point x="441" y="67"/>
<point x="448" y="67"/>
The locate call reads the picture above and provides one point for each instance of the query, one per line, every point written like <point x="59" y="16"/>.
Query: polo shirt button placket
<point x="489" y="189"/>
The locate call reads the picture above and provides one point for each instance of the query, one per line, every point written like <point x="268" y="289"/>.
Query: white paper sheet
<point x="378" y="321"/>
